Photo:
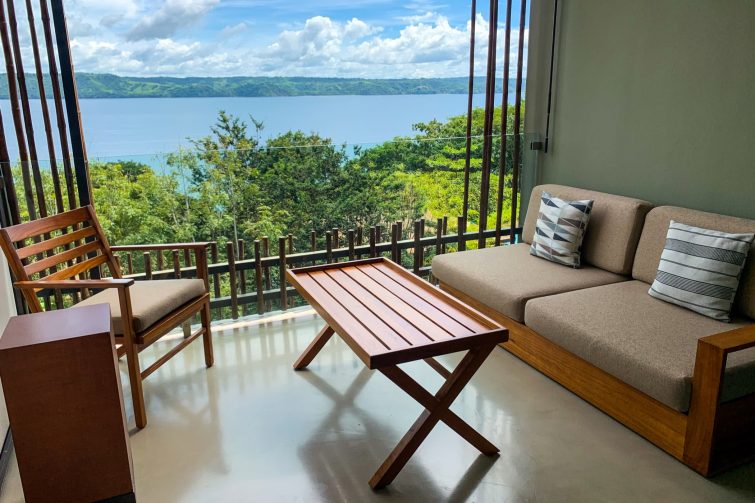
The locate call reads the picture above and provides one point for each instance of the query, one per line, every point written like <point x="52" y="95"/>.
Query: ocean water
<point x="144" y="128"/>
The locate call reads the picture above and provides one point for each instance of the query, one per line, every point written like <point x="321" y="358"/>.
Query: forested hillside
<point x="95" y="85"/>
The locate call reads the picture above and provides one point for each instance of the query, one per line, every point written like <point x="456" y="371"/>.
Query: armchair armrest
<point x="158" y="247"/>
<point x="733" y="340"/>
<point x="199" y="249"/>
<point x="74" y="283"/>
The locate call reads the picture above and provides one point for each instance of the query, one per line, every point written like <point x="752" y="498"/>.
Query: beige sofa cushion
<point x="615" y="225"/>
<point x="150" y="300"/>
<point x="648" y="344"/>
<point x="653" y="240"/>
<point x="504" y="278"/>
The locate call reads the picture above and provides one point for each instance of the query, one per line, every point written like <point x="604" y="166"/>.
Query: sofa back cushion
<point x="653" y="240"/>
<point x="615" y="225"/>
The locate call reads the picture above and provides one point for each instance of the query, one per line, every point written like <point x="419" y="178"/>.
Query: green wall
<point x="653" y="99"/>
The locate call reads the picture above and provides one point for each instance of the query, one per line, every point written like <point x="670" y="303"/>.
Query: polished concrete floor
<point x="252" y="429"/>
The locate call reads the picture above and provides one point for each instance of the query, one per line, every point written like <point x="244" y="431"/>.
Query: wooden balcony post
<point x="258" y="277"/>
<point x="242" y="273"/>
<point x="351" y="244"/>
<point x="439" y="237"/>
<point x="282" y="272"/>
<point x="147" y="265"/>
<point x="373" y="241"/>
<point x="215" y="276"/>
<point x="231" y="253"/>
<point x="445" y="231"/>
<point x="460" y="229"/>
<point x="266" y="270"/>
<point x="394" y="243"/>
<point x="336" y="240"/>
<point x="417" y="247"/>
<point x="176" y="264"/>
<point x="130" y="259"/>
<point x="329" y="247"/>
<point x="177" y="273"/>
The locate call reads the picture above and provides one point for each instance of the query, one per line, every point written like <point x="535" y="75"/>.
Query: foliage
<point x="231" y="186"/>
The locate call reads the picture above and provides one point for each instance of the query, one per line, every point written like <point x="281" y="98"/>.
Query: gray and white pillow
<point x="560" y="229"/>
<point x="700" y="269"/>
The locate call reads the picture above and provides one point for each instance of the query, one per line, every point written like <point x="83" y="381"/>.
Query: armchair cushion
<point x="150" y="301"/>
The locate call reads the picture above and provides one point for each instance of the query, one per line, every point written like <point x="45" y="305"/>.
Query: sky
<point x="315" y="38"/>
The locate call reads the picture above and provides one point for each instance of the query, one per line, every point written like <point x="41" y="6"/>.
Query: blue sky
<point x="329" y="38"/>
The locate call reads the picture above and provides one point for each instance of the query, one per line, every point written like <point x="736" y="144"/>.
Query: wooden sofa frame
<point x="84" y="249"/>
<point x="711" y="438"/>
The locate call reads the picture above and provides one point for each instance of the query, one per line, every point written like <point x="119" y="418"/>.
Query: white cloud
<point x="169" y="18"/>
<point x="234" y="30"/>
<point x="427" y="45"/>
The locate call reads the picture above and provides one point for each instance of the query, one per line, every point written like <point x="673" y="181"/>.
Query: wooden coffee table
<point x="388" y="316"/>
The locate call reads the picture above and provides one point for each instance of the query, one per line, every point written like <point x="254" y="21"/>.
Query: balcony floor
<point x="252" y="429"/>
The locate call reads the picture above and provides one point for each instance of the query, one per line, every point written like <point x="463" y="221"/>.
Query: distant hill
<point x="97" y="85"/>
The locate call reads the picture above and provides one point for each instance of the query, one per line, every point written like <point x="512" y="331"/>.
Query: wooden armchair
<point x="57" y="252"/>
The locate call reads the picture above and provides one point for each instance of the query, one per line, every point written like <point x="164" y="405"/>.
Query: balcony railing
<point x="180" y="197"/>
<point x="249" y="281"/>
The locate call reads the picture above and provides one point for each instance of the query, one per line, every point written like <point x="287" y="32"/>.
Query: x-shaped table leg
<point x="436" y="409"/>
<point x="436" y="406"/>
<point x="314" y="347"/>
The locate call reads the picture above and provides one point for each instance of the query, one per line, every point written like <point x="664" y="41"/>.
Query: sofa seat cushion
<point x="649" y="344"/>
<point x="504" y="278"/>
<point x="150" y="300"/>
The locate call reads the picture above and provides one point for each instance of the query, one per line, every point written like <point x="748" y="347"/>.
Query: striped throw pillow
<point x="560" y="229"/>
<point x="700" y="269"/>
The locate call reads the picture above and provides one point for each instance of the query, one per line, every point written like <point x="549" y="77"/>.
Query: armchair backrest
<point x="60" y="247"/>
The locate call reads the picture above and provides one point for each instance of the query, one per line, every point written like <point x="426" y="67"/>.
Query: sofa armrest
<point x="733" y="340"/>
<point x="707" y="384"/>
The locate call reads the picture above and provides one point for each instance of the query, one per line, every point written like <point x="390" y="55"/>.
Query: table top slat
<point x="342" y="321"/>
<point x="423" y="319"/>
<point x="398" y="323"/>
<point x="446" y="314"/>
<point x="373" y="322"/>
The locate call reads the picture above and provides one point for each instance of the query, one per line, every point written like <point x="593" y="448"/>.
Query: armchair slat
<point x="77" y="269"/>
<point x="46" y="225"/>
<point x="55" y="260"/>
<point x="51" y="244"/>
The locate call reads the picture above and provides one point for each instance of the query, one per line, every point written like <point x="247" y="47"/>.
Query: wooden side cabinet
<point x="62" y="388"/>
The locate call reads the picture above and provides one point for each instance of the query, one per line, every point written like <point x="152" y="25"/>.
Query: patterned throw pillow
<point x="700" y="269"/>
<point x="560" y="229"/>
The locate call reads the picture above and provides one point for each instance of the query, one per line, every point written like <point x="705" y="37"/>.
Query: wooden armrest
<point x="733" y="340"/>
<point x="157" y="247"/>
<point x="74" y="283"/>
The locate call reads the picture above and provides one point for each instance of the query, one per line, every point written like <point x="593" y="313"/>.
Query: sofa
<point x="682" y="380"/>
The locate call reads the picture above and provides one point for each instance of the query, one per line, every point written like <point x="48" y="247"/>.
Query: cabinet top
<point x="52" y="326"/>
